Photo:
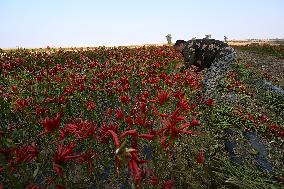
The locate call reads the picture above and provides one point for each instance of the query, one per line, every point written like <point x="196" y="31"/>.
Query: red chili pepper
<point x="194" y="122"/>
<point x="129" y="132"/>
<point x="146" y="136"/>
<point x="115" y="138"/>
<point x="200" y="158"/>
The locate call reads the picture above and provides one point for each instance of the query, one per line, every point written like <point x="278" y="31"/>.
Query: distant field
<point x="230" y="42"/>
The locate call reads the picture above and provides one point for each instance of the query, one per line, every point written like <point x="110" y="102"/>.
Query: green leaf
<point x="36" y="170"/>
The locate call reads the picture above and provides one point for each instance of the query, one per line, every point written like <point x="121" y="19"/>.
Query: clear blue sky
<point x="63" y="23"/>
